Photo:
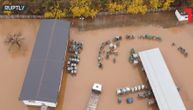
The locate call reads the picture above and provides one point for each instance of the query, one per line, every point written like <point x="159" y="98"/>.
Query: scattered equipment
<point x="126" y="90"/>
<point x="107" y="49"/>
<point x="151" y="102"/>
<point x="152" y="37"/>
<point x="183" y="51"/>
<point x="119" y="100"/>
<point x="145" y="94"/>
<point x="129" y="37"/>
<point x="129" y="100"/>
<point x="117" y="38"/>
<point x="74" y="58"/>
<point x="133" y="57"/>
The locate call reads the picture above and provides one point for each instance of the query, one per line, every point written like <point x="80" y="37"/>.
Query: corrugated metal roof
<point x="44" y="72"/>
<point x="161" y="81"/>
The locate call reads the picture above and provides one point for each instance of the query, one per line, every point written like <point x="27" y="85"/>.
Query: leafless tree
<point x="15" y="42"/>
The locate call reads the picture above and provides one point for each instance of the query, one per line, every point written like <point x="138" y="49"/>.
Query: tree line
<point x="90" y="8"/>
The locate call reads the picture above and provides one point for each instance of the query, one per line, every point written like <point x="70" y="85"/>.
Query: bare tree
<point x="15" y="42"/>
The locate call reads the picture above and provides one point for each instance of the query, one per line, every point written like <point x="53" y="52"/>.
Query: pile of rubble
<point x="107" y="49"/>
<point x="75" y="49"/>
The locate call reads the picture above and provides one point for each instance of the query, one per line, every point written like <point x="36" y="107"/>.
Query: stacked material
<point x="107" y="49"/>
<point x="125" y="90"/>
<point x="133" y="57"/>
<point x="74" y="58"/>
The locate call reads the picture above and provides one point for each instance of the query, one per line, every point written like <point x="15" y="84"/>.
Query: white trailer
<point x="94" y="97"/>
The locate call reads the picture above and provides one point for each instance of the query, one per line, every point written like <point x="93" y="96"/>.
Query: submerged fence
<point x="164" y="19"/>
<point x="106" y="19"/>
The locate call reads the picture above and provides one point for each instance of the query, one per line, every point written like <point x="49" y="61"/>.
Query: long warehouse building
<point x="160" y="79"/>
<point x="45" y="70"/>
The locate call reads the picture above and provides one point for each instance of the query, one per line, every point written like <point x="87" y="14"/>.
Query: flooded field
<point x="76" y="90"/>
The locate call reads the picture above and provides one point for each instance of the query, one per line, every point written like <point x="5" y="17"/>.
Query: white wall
<point x="39" y="103"/>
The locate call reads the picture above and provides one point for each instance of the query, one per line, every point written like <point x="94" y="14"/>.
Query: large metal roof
<point x="161" y="81"/>
<point x="44" y="72"/>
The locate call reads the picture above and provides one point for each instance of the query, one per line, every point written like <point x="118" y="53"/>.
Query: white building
<point x="161" y="82"/>
<point x="43" y="78"/>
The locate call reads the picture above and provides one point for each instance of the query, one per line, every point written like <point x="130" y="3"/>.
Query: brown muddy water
<point x="76" y="90"/>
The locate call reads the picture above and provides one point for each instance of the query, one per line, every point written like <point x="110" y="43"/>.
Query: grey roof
<point x="44" y="72"/>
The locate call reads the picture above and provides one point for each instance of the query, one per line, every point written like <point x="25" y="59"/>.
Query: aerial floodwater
<point x="75" y="90"/>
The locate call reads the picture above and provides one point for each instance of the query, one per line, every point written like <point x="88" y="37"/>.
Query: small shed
<point x="43" y="78"/>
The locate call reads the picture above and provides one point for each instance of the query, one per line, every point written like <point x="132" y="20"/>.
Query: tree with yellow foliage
<point x="167" y="4"/>
<point x="155" y="4"/>
<point x="7" y="12"/>
<point x="55" y="12"/>
<point x="82" y="8"/>
<point x="137" y="6"/>
<point x="115" y="7"/>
